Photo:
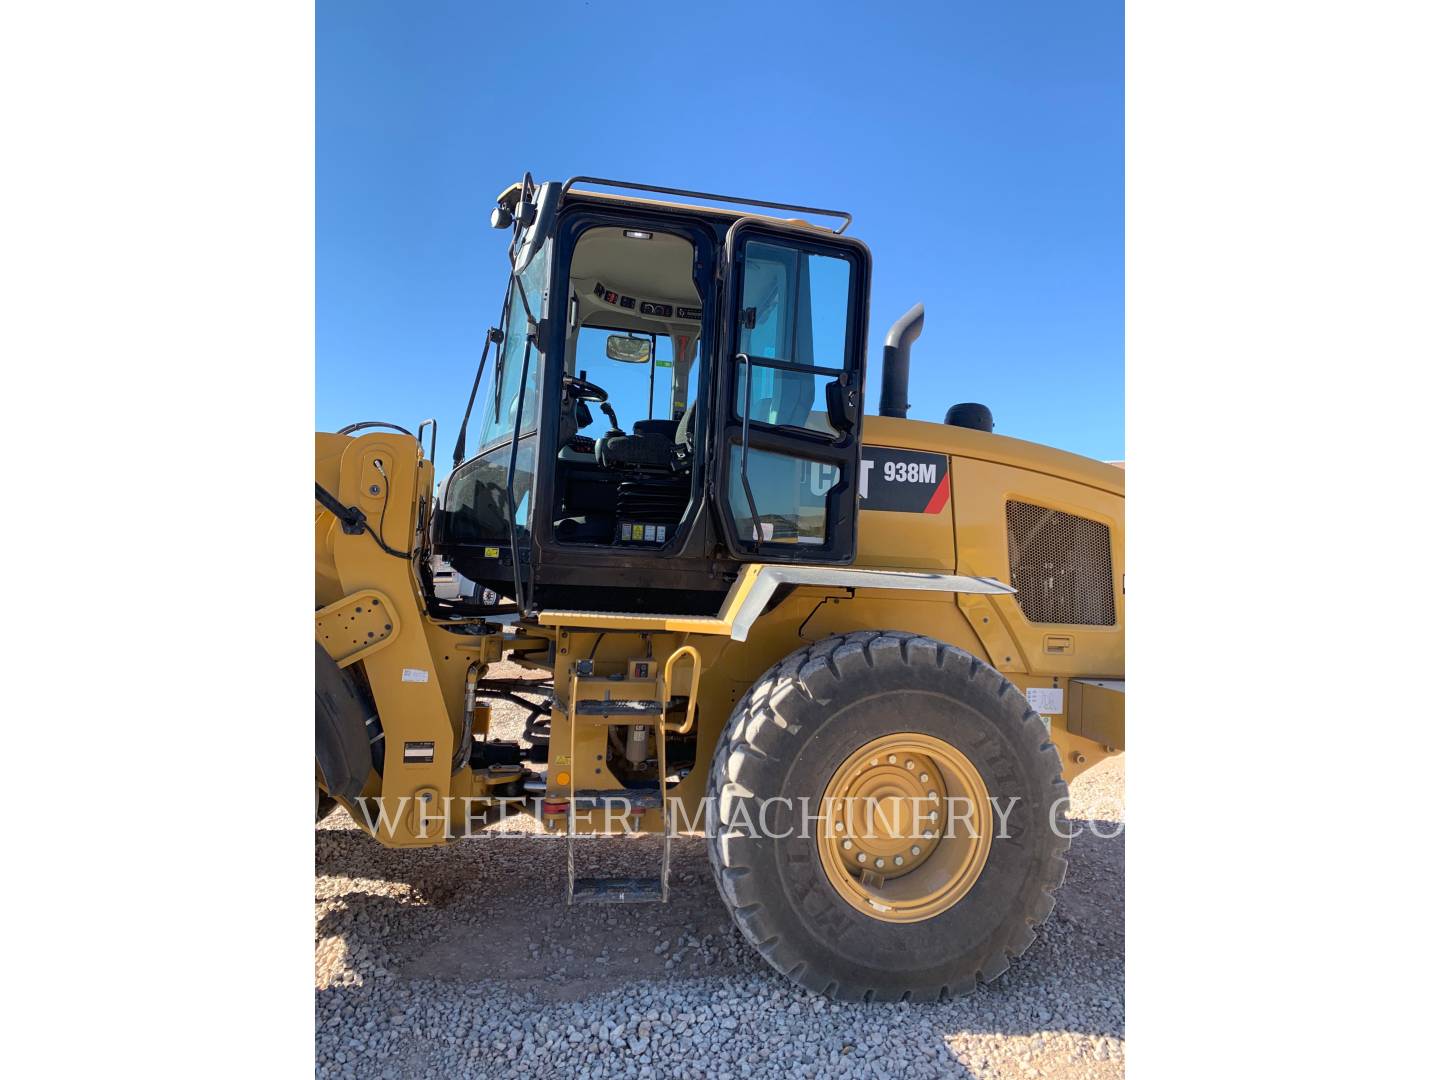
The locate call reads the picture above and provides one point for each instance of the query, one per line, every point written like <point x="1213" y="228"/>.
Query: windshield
<point x="502" y="400"/>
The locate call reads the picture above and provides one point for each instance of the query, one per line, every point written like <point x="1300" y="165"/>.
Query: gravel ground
<point x="464" y="960"/>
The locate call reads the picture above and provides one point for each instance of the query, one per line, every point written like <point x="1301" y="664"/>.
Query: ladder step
<point x="625" y="710"/>
<point x="638" y="799"/>
<point x="617" y="891"/>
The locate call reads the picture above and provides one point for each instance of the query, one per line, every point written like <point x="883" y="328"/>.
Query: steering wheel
<point x="584" y="389"/>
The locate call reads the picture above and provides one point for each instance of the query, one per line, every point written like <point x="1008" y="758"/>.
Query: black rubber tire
<point x="342" y="745"/>
<point x="787" y="737"/>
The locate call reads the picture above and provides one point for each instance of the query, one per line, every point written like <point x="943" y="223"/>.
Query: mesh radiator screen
<point x="1060" y="566"/>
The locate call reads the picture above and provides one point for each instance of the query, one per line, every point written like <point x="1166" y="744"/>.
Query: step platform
<point x="638" y="799"/>
<point x="618" y="891"/>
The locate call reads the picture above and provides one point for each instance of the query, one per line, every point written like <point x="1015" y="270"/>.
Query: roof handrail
<point x="847" y="219"/>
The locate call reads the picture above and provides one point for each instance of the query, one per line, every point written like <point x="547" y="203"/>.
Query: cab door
<point x="786" y="441"/>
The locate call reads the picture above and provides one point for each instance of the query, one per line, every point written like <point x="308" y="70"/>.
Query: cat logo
<point x="904" y="481"/>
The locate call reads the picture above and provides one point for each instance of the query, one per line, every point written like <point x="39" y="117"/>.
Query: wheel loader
<point x="861" y="655"/>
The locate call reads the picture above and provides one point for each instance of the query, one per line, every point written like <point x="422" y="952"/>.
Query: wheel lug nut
<point x="924" y="778"/>
<point x="839" y="826"/>
<point x="891" y="759"/>
<point x="929" y="835"/>
<point x="934" y="796"/>
<point x="847" y="845"/>
<point x="861" y="857"/>
<point x="874" y="761"/>
<point x="914" y="849"/>
<point x="910" y="765"/>
<point x="899" y="860"/>
<point x="879" y="863"/>
<point x="934" y="816"/>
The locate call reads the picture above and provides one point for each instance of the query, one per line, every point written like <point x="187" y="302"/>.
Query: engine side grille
<point x="1060" y="566"/>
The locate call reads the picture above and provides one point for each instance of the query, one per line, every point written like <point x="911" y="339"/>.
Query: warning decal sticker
<point x="904" y="481"/>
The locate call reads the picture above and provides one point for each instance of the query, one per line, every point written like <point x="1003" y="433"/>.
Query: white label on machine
<point x="1046" y="700"/>
<point x="412" y="674"/>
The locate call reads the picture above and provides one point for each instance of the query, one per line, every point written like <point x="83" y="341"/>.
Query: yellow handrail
<point x="684" y="728"/>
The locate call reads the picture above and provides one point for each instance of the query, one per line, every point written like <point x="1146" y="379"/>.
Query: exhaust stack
<point x="895" y="372"/>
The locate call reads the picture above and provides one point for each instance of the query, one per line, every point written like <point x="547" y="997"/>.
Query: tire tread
<point x="737" y="759"/>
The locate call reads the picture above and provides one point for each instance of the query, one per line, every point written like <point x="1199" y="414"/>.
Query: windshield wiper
<point x="492" y="337"/>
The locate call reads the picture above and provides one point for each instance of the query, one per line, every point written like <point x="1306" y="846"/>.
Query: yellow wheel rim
<point x="905" y="827"/>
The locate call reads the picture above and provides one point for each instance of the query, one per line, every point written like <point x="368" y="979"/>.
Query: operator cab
<point x="676" y="391"/>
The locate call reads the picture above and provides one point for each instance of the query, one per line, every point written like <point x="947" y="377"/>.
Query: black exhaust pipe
<point x="895" y="372"/>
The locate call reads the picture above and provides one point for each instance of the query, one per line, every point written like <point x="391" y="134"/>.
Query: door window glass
<point x="789" y="496"/>
<point x="783" y="398"/>
<point x="796" y="305"/>
<point x="795" y="308"/>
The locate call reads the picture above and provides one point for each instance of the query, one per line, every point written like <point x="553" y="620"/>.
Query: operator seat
<point x="668" y="428"/>
<point x="652" y="446"/>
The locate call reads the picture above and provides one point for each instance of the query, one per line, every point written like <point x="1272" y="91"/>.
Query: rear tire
<point x="791" y="734"/>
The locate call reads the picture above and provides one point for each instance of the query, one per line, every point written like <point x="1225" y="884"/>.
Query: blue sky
<point x="980" y="147"/>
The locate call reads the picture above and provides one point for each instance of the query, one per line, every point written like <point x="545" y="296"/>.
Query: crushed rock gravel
<point x="464" y="960"/>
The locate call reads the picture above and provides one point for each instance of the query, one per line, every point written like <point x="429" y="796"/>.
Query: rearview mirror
<point x="628" y="350"/>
